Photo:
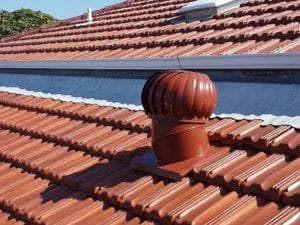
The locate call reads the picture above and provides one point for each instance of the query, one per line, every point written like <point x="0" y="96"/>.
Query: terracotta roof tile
<point x="7" y="219"/>
<point x="68" y="163"/>
<point x="149" y="29"/>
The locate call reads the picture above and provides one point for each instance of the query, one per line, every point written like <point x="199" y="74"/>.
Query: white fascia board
<point x="250" y="61"/>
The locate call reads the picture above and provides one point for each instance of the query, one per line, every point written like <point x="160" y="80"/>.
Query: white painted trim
<point x="267" y="119"/>
<point x="208" y="4"/>
<point x="203" y="4"/>
<point x="250" y="61"/>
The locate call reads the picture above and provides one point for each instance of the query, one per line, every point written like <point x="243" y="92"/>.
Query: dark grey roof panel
<point x="234" y="97"/>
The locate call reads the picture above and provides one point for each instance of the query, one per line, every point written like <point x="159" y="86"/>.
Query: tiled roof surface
<point x="142" y="28"/>
<point x="68" y="163"/>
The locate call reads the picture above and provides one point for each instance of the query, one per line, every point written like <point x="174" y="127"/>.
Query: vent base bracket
<point x="175" y="171"/>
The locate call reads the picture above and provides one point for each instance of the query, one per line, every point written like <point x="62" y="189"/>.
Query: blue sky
<point x="60" y="9"/>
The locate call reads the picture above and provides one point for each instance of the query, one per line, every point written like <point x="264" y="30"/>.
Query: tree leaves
<point x="22" y="20"/>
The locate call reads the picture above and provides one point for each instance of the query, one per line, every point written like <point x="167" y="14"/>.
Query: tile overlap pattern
<point x="67" y="163"/>
<point x="144" y="29"/>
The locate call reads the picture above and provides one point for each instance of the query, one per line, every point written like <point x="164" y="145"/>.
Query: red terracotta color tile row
<point x="265" y="19"/>
<point x="55" y="161"/>
<point x="128" y="6"/>
<point x="95" y="179"/>
<point x="7" y="219"/>
<point x="144" y="5"/>
<point x="283" y="32"/>
<point x="140" y="13"/>
<point x="190" y="50"/>
<point x="135" y="121"/>
<point x="219" y="22"/>
<point x="118" y="23"/>
<point x="52" y="161"/>
<point x="212" y="24"/>
<point x="57" y="164"/>
<point x="97" y="140"/>
<point x="153" y="7"/>
<point x="293" y="46"/>
<point x="224" y="124"/>
<point x="228" y="131"/>
<point x="262" y="8"/>
<point x="186" y="202"/>
<point x="39" y="201"/>
<point x="113" y="29"/>
<point x="143" y="29"/>
<point x="283" y="139"/>
<point x="272" y="176"/>
<point x="125" y="8"/>
<point x="258" y="2"/>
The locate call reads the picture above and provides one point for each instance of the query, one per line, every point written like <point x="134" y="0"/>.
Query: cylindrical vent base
<point x="176" y="141"/>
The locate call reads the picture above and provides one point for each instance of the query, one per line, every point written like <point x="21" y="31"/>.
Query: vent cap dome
<point x="179" y="95"/>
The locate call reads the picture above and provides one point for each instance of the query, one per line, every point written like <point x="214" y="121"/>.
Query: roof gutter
<point x="250" y="61"/>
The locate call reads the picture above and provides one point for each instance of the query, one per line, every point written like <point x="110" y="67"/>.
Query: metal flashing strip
<point x="244" y="61"/>
<point x="69" y="98"/>
<point x="251" y="61"/>
<point x="103" y="64"/>
<point x="267" y="119"/>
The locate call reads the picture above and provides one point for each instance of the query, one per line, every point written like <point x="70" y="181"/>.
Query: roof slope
<point x="68" y="163"/>
<point x="143" y="29"/>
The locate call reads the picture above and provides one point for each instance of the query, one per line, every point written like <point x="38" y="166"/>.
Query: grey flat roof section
<point x="233" y="97"/>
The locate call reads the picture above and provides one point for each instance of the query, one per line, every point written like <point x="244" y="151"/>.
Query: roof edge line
<point x="243" y="61"/>
<point x="69" y="98"/>
<point x="267" y="119"/>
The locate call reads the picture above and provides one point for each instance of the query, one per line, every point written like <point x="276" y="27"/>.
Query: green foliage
<point x="22" y="20"/>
